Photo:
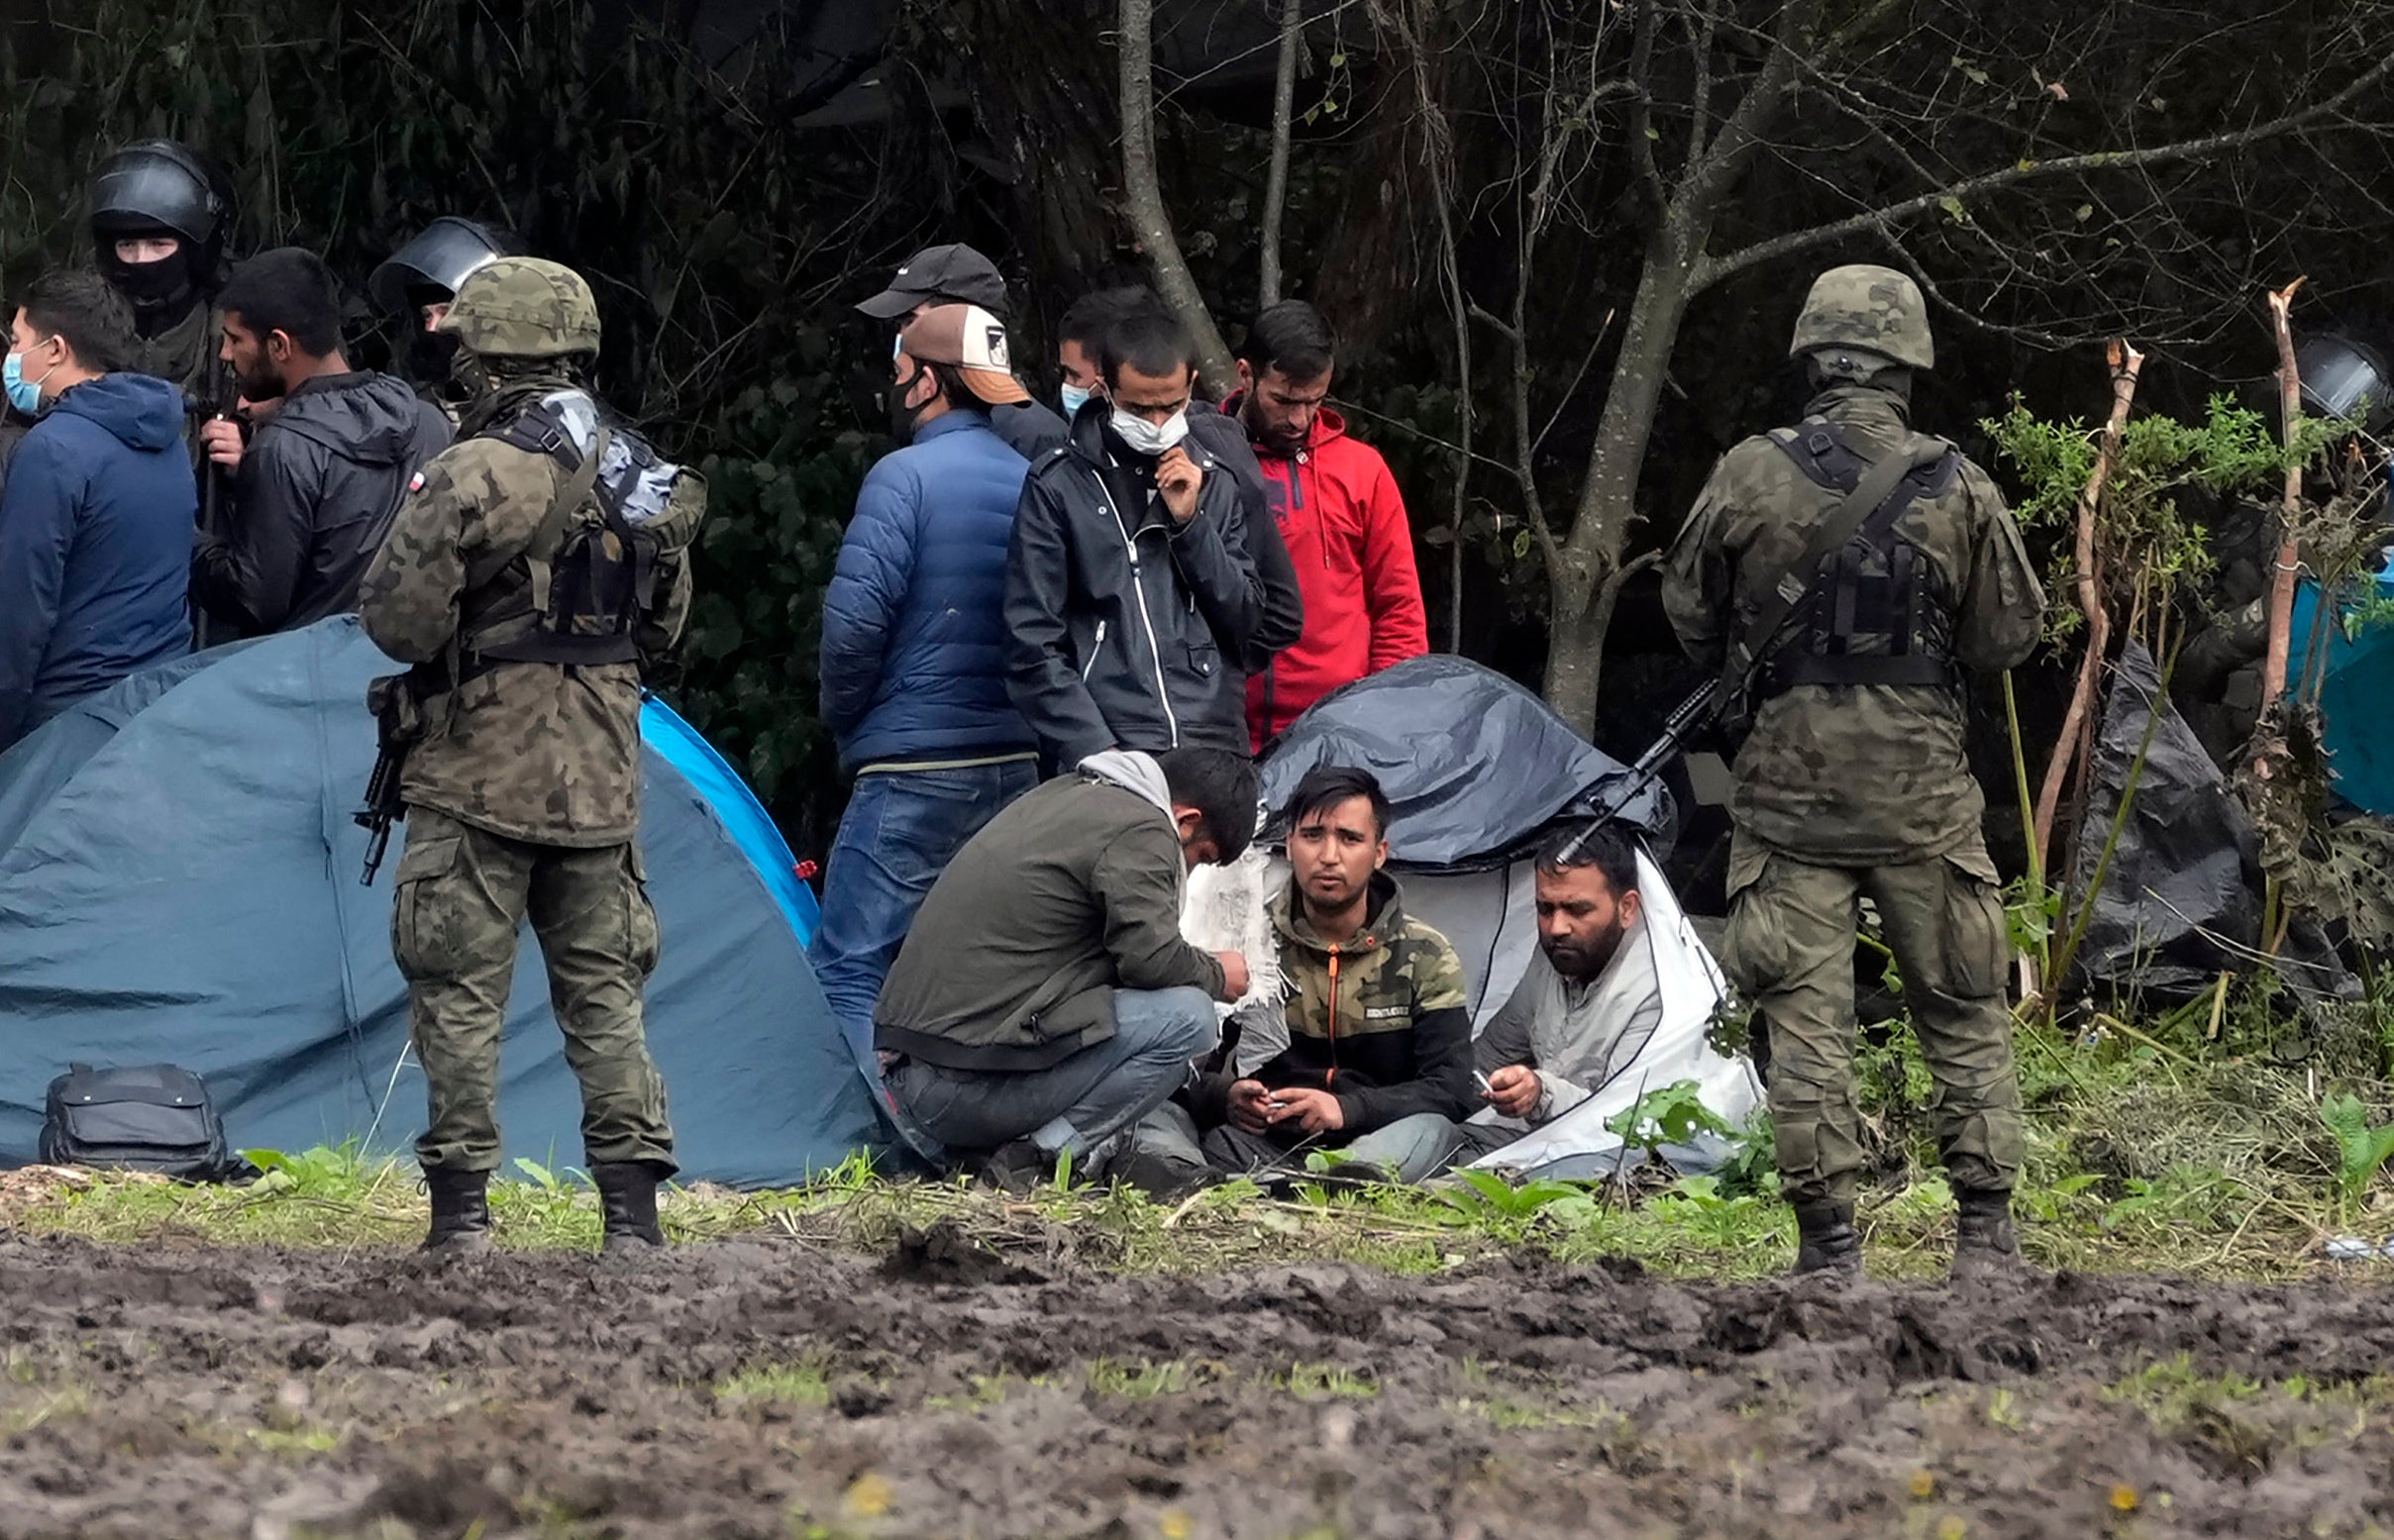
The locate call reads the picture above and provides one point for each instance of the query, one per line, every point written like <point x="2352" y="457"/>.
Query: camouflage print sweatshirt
<point x="1854" y="774"/>
<point x="543" y="753"/>
<point x="1379" y="1019"/>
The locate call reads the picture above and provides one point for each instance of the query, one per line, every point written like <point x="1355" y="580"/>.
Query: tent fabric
<point x="2356" y="679"/>
<point x="179" y="883"/>
<point x="1475" y="767"/>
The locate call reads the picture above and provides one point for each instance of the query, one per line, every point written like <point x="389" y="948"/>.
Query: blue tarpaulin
<point x="178" y="883"/>
<point x="2354" y="691"/>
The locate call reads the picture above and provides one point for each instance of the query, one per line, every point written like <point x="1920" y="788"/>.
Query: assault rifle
<point x="1690" y="717"/>
<point x="399" y="727"/>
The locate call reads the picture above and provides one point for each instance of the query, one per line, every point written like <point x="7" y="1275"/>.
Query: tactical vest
<point x="1877" y="612"/>
<point x="577" y="592"/>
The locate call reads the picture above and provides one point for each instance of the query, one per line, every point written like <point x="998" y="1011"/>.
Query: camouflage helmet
<point x="523" y="307"/>
<point x="1876" y="309"/>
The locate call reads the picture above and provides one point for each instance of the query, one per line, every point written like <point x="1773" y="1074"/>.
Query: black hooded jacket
<point x="1124" y="631"/>
<point x="312" y="501"/>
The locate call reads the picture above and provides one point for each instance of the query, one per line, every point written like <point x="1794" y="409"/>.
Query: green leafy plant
<point x="2360" y="1148"/>
<point x="1672" y="1114"/>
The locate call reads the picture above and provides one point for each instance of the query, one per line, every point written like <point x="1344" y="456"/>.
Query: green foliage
<point x="1671" y="1114"/>
<point x="2148" y="536"/>
<point x="2360" y="1148"/>
<point x="805" y="1382"/>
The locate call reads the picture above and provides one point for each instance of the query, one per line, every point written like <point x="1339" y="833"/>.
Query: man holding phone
<point x="1378" y="1066"/>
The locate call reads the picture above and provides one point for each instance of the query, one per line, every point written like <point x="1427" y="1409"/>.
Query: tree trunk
<point x="1150" y="221"/>
<point x="1580" y="591"/>
<point x="1276" y="182"/>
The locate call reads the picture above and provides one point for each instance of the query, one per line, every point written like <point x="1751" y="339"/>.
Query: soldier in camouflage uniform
<point x="530" y="569"/>
<point x="1852" y="780"/>
<point x="1378" y="1061"/>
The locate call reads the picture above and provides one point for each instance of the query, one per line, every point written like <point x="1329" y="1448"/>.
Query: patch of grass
<point x="1140" y="1381"/>
<point x="806" y="1382"/>
<point x="60" y="1405"/>
<point x="1326" y="1382"/>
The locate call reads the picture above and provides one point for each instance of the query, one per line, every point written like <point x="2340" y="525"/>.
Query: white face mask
<point x="1073" y="397"/>
<point x="1150" y="439"/>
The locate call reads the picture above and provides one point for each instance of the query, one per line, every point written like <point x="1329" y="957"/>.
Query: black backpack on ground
<point x="152" y="1118"/>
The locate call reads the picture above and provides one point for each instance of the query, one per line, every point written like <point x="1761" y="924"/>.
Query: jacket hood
<point x="1327" y="425"/>
<point x="1382" y="910"/>
<point x="145" y="413"/>
<point x="1135" y="773"/>
<point x="370" y="418"/>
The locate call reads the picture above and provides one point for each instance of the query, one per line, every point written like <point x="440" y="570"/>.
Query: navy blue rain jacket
<point x="95" y="546"/>
<point x="913" y="660"/>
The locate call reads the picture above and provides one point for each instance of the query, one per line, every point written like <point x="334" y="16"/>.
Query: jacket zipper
<point x="1094" y="648"/>
<point x="1330" y="1074"/>
<point x="1138" y="586"/>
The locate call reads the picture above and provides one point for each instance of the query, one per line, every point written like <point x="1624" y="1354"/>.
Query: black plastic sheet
<point x="1474" y="766"/>
<point x="2184" y="881"/>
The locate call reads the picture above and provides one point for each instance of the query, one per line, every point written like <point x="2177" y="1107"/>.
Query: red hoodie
<point x="1344" y="525"/>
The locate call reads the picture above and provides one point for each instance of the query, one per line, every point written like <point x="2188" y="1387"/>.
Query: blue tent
<point x="2356" y="682"/>
<point x="178" y="883"/>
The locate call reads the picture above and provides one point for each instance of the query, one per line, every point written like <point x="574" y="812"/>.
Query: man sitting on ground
<point x="1044" y="1000"/>
<point x="1590" y="1001"/>
<point x="1379" y="1057"/>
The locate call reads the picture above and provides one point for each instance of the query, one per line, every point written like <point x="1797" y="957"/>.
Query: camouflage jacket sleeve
<point x="662" y="626"/>
<point x="2002" y="606"/>
<point x="408" y="602"/>
<point x="1699" y="576"/>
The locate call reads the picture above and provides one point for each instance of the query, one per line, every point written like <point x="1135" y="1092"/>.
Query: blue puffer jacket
<point x="913" y="662"/>
<point x="95" y="546"/>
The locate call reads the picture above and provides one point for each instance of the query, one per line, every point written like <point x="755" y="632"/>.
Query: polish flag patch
<point x="415" y="483"/>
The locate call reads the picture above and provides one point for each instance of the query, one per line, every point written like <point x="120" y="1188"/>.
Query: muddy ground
<point x="170" y="1391"/>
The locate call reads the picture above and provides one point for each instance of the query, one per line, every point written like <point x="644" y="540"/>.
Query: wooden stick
<point x="2126" y="362"/>
<point x="2281" y="580"/>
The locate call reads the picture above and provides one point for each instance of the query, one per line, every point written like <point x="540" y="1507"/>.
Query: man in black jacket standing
<point x="315" y="488"/>
<point x="1132" y="601"/>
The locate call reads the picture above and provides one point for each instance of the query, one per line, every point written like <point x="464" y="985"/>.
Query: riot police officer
<point x="419" y="280"/>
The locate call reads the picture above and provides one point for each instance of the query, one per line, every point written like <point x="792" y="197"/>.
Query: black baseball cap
<point x="952" y="275"/>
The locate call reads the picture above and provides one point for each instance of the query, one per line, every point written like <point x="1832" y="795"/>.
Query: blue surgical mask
<point x="1073" y="397"/>
<point x="23" y="394"/>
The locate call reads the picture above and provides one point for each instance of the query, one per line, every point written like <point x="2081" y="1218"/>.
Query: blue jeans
<point x="1073" y="1105"/>
<point x="900" y="831"/>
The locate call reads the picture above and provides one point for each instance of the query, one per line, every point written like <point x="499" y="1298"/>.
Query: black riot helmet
<point x="2346" y="378"/>
<point x="429" y="269"/>
<point x="158" y="187"/>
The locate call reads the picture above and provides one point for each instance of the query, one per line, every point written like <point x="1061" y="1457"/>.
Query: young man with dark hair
<point x="314" y="493"/>
<point x="913" y="677"/>
<point x="1590" y="1001"/>
<point x="95" y="521"/>
<point x="1134" y="603"/>
<point x="1379" y="1057"/>
<point x="1339" y="514"/>
<point x="1045" y="1001"/>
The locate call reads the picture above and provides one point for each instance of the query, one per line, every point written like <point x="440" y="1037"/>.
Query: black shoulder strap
<point x="571" y="492"/>
<point x="1820" y="451"/>
<point x="1792" y="585"/>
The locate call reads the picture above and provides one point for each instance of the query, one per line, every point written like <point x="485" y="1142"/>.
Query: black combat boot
<point x="1825" y="1241"/>
<point x="627" y="1196"/>
<point x="1986" y="1244"/>
<point x="461" y="1210"/>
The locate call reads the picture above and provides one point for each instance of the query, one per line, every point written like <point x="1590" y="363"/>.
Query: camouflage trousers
<point x="462" y="895"/>
<point x="1790" y="950"/>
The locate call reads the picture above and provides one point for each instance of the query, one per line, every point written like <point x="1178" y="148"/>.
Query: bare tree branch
<point x="1711" y="269"/>
<point x="1642" y="132"/>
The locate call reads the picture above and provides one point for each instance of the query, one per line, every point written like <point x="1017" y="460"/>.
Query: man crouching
<point x="1379" y="1057"/>
<point x="1045" y="1001"/>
